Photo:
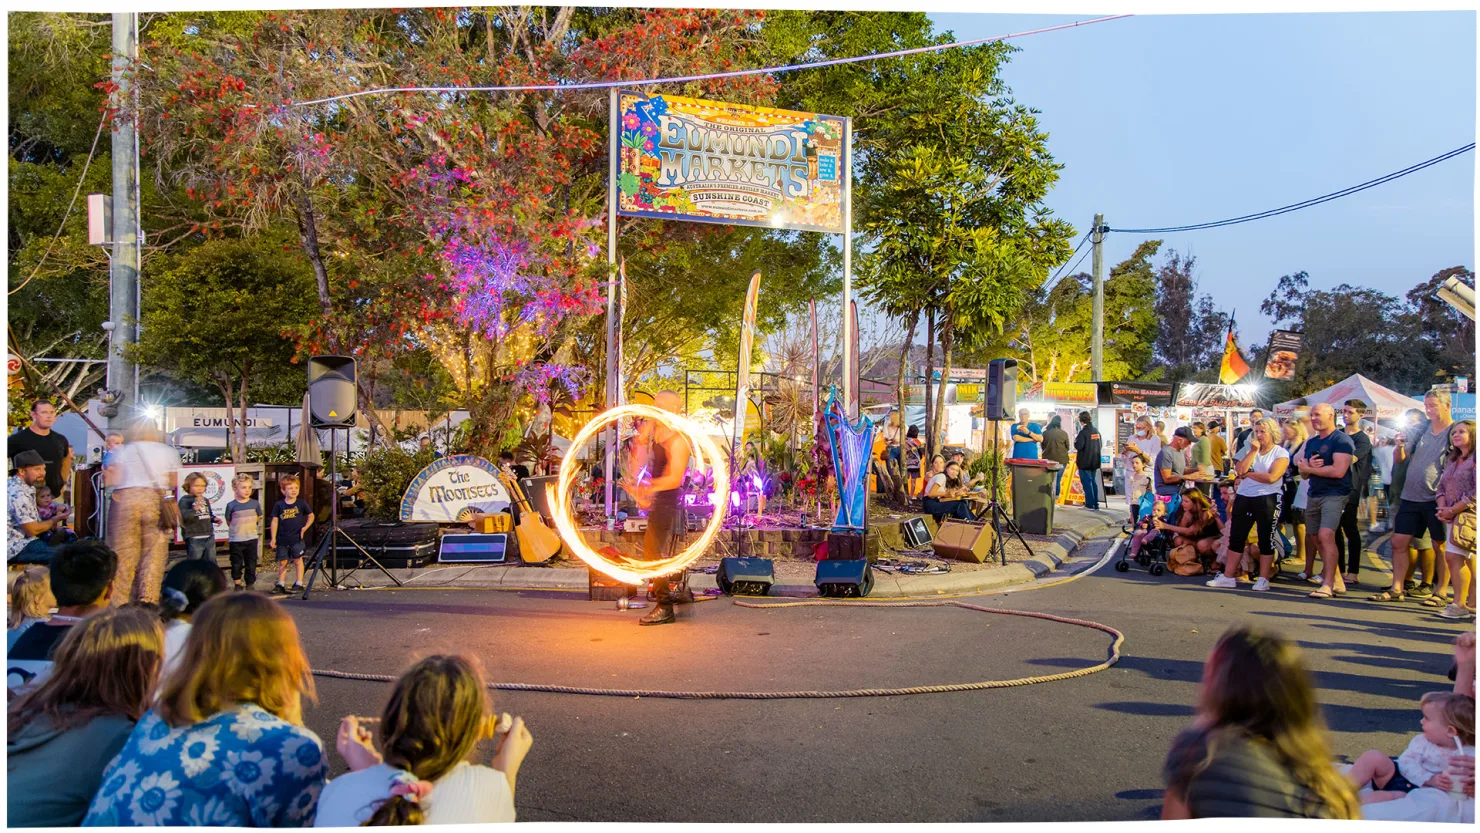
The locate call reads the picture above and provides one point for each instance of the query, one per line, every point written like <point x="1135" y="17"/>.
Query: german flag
<point x="1234" y="367"/>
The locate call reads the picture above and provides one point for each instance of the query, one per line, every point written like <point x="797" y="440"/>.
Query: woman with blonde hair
<point x="1259" y="473"/>
<point x="31" y="601"/>
<point x="436" y="715"/>
<point x="225" y="746"/>
<point x="140" y="472"/>
<point x="1258" y="747"/>
<point x="65" y="731"/>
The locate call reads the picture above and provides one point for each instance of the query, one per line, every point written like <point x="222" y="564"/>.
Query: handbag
<point x="169" y="510"/>
<point x="1463" y="531"/>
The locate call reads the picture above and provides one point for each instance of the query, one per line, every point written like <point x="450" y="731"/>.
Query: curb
<point x="1048" y="556"/>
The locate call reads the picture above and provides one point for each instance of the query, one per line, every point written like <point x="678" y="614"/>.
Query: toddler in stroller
<point x="1149" y="546"/>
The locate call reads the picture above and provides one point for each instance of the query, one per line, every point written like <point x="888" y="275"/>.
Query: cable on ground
<point x="1118" y="639"/>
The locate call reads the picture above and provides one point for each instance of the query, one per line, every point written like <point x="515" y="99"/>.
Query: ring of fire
<point x="705" y="452"/>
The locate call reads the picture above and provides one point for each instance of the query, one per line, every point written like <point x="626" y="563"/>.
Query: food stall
<point x="1121" y="404"/>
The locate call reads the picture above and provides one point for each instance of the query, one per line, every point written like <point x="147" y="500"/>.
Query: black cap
<point x="26" y="459"/>
<point x="1185" y="433"/>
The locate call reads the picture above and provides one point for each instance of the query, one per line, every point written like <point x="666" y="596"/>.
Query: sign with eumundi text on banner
<point x="710" y="161"/>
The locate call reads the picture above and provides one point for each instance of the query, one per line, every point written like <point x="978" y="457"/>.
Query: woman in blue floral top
<point x="224" y="747"/>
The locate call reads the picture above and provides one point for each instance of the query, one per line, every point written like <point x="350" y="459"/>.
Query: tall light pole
<point x="1097" y="341"/>
<point x="123" y="275"/>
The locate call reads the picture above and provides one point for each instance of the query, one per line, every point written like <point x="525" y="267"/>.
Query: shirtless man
<point x="665" y="454"/>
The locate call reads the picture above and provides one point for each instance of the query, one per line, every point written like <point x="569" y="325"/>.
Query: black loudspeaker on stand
<point x="1001" y="402"/>
<point x="332" y="404"/>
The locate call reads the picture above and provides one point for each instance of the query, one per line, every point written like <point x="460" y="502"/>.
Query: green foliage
<point x="1351" y="329"/>
<point x="218" y="315"/>
<point x="385" y="472"/>
<point x="1053" y="334"/>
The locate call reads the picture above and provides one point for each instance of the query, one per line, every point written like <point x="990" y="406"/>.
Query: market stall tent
<point x="1387" y="403"/>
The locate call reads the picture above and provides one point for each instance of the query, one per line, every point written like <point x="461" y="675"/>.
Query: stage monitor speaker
<point x="534" y="489"/>
<point x="851" y="579"/>
<point x="745" y="576"/>
<point x="1002" y="389"/>
<point x="916" y="533"/>
<point x="963" y="541"/>
<point x="331" y="391"/>
<point x="474" y="548"/>
<point x="845" y="546"/>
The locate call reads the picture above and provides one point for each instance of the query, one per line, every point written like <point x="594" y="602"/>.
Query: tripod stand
<point x="1000" y="515"/>
<point x="330" y="543"/>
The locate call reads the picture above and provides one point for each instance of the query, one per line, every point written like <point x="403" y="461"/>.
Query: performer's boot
<point x="662" y="614"/>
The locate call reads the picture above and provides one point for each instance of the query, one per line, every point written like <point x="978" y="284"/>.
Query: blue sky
<point x="1165" y="120"/>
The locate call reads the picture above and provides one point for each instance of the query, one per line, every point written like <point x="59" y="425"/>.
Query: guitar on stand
<point x="537" y="543"/>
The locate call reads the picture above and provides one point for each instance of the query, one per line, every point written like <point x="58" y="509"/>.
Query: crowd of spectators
<point x="189" y="712"/>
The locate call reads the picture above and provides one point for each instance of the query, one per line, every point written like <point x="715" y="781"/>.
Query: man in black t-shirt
<point x="82" y="582"/>
<point x="1349" y="534"/>
<point x="52" y="447"/>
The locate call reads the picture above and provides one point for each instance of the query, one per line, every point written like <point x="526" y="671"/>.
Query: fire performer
<point x="664" y="454"/>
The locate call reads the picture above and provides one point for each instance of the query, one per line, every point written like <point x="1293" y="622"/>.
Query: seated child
<point x="1425" y="763"/>
<point x="1137" y="483"/>
<point x="1146" y="528"/>
<point x="47" y="508"/>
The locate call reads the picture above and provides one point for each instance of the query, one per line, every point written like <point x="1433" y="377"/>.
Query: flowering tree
<point x="470" y="224"/>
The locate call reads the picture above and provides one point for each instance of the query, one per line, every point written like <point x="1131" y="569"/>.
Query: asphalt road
<point x="1086" y="749"/>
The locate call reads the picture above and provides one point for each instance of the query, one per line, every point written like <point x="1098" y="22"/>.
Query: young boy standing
<point x="197" y="519"/>
<point x="244" y="516"/>
<point x="291" y="518"/>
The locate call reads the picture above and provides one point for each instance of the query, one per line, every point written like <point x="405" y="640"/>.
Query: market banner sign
<point x="1154" y="394"/>
<point x="713" y="162"/>
<point x="1067" y="393"/>
<point x="1215" y="396"/>
<point x="452" y="489"/>
<point x="1284" y="351"/>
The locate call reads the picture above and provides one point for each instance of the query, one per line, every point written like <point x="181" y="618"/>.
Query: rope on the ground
<point x="1114" y="657"/>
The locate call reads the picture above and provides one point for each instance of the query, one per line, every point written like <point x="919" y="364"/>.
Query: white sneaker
<point x="1260" y="585"/>
<point x="1223" y="582"/>
<point x="1375" y="528"/>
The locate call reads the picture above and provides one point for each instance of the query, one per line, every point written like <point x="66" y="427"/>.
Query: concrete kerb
<point x="1048" y="556"/>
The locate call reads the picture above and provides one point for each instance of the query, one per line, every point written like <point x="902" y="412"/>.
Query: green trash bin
<point x="1032" y="494"/>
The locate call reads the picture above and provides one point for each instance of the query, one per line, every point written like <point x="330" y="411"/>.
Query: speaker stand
<point x="330" y="542"/>
<point x="999" y="515"/>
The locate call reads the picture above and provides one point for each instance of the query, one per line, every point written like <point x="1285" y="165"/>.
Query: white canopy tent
<point x="1382" y="402"/>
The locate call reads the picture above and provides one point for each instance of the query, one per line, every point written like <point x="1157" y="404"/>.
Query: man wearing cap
<point x="1171" y="462"/>
<point x="25" y="521"/>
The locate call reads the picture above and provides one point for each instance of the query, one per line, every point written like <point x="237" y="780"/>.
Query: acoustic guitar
<point x="537" y="543"/>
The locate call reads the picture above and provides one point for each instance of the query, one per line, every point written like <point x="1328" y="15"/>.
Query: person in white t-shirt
<point x="437" y="713"/>
<point x="1261" y="475"/>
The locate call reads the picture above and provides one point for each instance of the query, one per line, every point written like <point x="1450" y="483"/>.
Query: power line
<point x="1049" y="285"/>
<point x="1274" y="212"/>
<point x="602" y="85"/>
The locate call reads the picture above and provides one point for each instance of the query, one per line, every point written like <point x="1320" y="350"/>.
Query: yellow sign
<point x="1068" y="393"/>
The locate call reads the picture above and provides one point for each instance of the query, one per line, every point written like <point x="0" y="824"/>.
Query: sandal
<point x="1435" y="601"/>
<point x="1322" y="593"/>
<point x="1386" y="596"/>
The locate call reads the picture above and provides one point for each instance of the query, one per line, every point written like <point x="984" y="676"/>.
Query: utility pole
<point x="1097" y="342"/>
<point x="123" y="275"/>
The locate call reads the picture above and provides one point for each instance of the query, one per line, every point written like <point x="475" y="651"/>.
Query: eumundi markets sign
<point x="453" y="489"/>
<point x="714" y="162"/>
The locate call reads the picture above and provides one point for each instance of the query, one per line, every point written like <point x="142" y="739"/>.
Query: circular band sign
<point x="452" y="489"/>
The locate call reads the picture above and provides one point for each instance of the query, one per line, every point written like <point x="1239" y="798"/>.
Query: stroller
<point x="1154" y="550"/>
